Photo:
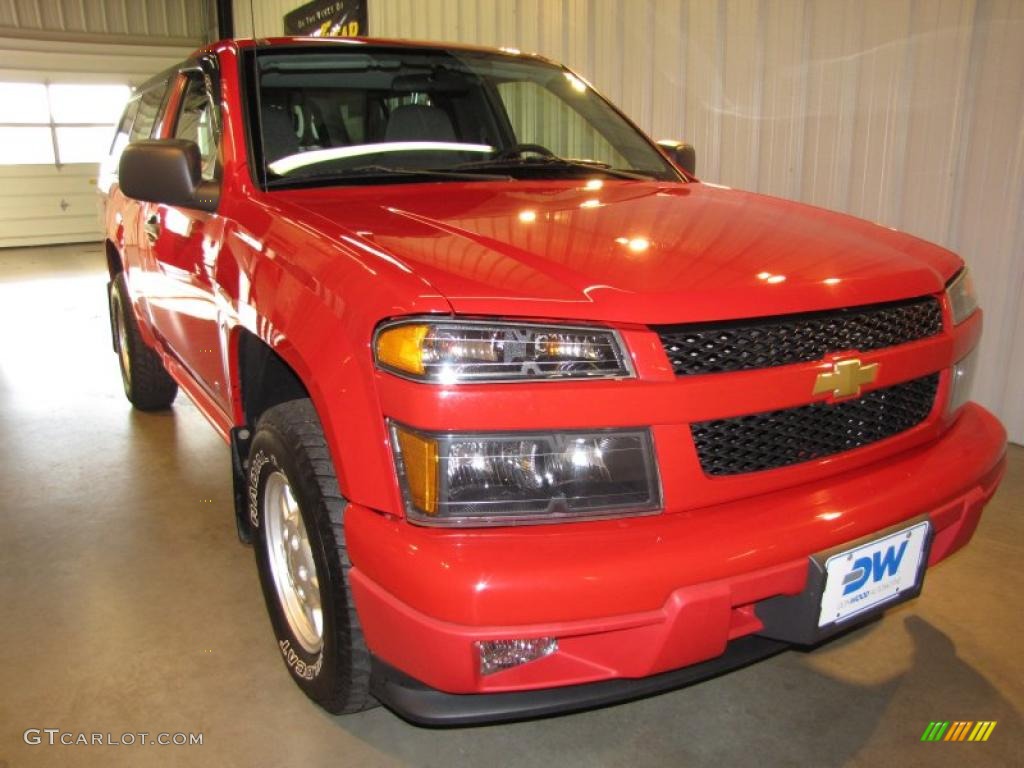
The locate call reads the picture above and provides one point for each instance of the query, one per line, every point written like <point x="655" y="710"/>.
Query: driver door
<point x="184" y="244"/>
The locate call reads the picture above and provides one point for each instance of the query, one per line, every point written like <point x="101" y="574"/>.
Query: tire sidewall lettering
<point x="258" y="462"/>
<point x="299" y="667"/>
<point x="298" y="661"/>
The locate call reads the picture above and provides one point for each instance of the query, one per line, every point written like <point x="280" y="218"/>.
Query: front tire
<point x="147" y="385"/>
<point x="297" y="513"/>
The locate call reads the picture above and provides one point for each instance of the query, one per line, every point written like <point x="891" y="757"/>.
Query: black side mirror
<point x="167" y="171"/>
<point x="682" y="154"/>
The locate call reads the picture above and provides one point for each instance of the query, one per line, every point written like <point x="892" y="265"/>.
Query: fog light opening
<point x="496" y="655"/>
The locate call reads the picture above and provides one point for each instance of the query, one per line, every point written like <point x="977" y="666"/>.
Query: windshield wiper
<point x="364" y="173"/>
<point x="552" y="163"/>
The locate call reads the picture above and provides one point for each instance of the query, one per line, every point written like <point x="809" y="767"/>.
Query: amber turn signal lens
<point x="401" y="347"/>
<point x="419" y="460"/>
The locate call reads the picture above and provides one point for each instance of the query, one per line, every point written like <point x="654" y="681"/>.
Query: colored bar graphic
<point x="935" y="730"/>
<point x="982" y="730"/>
<point x="958" y="730"/>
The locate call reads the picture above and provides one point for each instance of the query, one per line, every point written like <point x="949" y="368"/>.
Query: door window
<point x="124" y="128"/>
<point x="197" y="123"/>
<point x="149" y="107"/>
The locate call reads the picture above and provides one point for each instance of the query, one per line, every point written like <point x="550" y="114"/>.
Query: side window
<point x="196" y="122"/>
<point x="108" y="166"/>
<point x="539" y="116"/>
<point x="123" y="129"/>
<point x="149" y="106"/>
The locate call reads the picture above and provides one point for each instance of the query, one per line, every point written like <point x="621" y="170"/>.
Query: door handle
<point x="152" y="227"/>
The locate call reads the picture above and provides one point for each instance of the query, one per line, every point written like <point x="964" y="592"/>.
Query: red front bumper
<point x="636" y="597"/>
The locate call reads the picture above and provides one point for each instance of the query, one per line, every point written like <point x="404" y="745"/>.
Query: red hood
<point x="627" y="251"/>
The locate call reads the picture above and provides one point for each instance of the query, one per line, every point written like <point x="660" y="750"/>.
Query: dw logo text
<point x="874" y="568"/>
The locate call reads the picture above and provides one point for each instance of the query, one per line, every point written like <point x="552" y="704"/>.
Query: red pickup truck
<point x="523" y="417"/>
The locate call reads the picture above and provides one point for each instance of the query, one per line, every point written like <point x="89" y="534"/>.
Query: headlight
<point x="508" y="478"/>
<point x="962" y="298"/>
<point x="450" y="351"/>
<point x="962" y="379"/>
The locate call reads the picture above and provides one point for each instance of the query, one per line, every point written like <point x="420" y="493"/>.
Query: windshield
<point x="334" y="116"/>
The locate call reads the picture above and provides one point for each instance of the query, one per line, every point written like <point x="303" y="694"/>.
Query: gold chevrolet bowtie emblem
<point x="845" y="378"/>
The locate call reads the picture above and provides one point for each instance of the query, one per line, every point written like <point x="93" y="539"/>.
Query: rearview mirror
<point x="167" y="171"/>
<point x="682" y="154"/>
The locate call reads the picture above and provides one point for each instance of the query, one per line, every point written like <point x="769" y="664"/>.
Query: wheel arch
<point x="265" y="376"/>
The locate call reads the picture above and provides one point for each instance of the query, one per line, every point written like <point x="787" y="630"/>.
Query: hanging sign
<point x="327" y="18"/>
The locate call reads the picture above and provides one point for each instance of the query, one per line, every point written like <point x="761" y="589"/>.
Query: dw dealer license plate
<point x="867" y="576"/>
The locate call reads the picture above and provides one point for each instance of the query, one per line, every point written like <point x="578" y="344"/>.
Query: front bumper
<point x="423" y="705"/>
<point x="638" y="605"/>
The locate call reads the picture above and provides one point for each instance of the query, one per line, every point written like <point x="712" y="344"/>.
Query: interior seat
<point x="279" y="139"/>
<point x="419" y="122"/>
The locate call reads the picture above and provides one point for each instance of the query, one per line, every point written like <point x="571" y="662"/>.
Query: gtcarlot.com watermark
<point x="56" y="737"/>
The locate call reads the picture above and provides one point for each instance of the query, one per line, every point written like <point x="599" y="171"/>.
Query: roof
<point x="273" y="42"/>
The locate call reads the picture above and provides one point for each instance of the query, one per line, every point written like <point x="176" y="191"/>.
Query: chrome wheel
<point x="291" y="562"/>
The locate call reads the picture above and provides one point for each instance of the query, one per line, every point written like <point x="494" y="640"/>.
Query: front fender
<point x="316" y="304"/>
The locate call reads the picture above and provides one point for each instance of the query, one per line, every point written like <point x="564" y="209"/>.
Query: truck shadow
<point x="783" y="711"/>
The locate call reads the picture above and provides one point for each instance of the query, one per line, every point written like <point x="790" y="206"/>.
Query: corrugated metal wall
<point x="36" y="61"/>
<point x="905" y="112"/>
<point x="179" y="22"/>
<point x="264" y="18"/>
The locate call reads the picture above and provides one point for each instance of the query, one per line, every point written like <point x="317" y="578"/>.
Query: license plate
<point x="872" y="574"/>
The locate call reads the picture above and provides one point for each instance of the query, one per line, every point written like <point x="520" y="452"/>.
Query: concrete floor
<point x="128" y="605"/>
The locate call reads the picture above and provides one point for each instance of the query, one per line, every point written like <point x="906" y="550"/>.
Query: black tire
<point x="147" y="385"/>
<point x="289" y="441"/>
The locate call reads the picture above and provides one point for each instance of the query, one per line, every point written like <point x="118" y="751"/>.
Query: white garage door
<point x="58" y="107"/>
<point x="41" y="205"/>
<point x="52" y="135"/>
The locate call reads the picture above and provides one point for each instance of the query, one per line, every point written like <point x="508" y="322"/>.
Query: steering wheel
<point x="518" y="150"/>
